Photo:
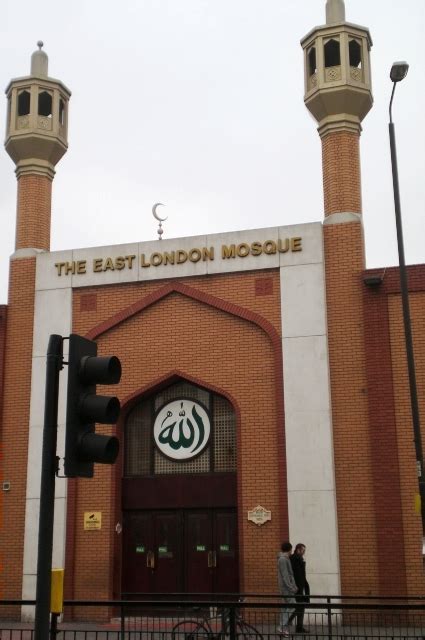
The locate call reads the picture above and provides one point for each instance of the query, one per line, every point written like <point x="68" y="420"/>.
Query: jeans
<point x="286" y="610"/>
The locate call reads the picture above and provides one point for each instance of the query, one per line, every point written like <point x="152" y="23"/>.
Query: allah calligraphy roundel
<point x="182" y="429"/>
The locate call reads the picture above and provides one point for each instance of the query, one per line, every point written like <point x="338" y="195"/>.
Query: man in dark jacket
<point x="302" y="596"/>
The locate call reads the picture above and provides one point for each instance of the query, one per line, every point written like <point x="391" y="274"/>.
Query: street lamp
<point x="399" y="72"/>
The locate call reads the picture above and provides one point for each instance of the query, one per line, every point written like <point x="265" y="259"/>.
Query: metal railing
<point x="206" y="617"/>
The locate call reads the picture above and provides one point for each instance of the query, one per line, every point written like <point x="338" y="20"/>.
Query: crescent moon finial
<point x="160" y="220"/>
<point x="155" y="215"/>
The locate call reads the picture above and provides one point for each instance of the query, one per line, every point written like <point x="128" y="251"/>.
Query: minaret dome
<point x="335" y="11"/>
<point x="39" y="62"/>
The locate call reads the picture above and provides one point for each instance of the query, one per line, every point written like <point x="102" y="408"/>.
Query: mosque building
<point x="281" y="357"/>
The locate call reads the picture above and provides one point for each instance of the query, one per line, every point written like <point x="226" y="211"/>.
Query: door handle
<point x="212" y="559"/>
<point x="150" y="560"/>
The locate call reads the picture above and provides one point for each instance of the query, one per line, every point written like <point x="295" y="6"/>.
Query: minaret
<point x="36" y="139"/>
<point x="338" y="95"/>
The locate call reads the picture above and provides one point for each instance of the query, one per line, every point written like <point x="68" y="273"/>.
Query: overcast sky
<point x="199" y="104"/>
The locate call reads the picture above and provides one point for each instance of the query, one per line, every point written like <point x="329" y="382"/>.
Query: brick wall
<point x="341" y="172"/>
<point x="33" y="212"/>
<point x="16" y="407"/>
<point x="399" y="525"/>
<point x="344" y="265"/>
<point x="386" y="472"/>
<point x="353" y="457"/>
<point x="224" y="334"/>
<point x="3" y="323"/>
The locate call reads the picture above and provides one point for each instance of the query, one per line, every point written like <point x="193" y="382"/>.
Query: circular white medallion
<point x="182" y="429"/>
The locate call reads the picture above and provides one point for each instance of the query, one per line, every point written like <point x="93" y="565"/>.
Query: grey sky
<point x="199" y="104"/>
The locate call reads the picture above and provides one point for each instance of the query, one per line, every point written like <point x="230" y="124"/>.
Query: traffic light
<point x="84" y="408"/>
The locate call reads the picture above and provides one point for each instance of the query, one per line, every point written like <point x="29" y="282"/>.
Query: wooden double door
<point x="180" y="551"/>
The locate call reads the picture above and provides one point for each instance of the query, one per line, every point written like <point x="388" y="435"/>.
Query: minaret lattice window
<point x="24" y="100"/>
<point x="332" y="60"/>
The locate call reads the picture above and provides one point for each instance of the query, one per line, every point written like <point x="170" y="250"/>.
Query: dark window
<point x="9" y="107"/>
<point x="45" y="104"/>
<point x="312" y="67"/>
<point x="61" y="112"/>
<point x="142" y="457"/>
<point x="23" y="103"/>
<point x="332" y="54"/>
<point x="355" y="52"/>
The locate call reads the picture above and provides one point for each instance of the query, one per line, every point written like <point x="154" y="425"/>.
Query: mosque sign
<point x="182" y="429"/>
<point x="178" y="256"/>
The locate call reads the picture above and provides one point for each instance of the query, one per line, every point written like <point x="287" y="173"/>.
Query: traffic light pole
<point x="47" y="489"/>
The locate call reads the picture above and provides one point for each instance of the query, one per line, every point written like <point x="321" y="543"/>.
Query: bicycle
<point x="214" y="627"/>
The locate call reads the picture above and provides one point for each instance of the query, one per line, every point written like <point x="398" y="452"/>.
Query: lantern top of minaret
<point x="338" y="84"/>
<point x="39" y="62"/>
<point x="335" y="11"/>
<point x="37" y="122"/>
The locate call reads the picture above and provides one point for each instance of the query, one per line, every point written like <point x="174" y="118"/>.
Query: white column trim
<point x="312" y="509"/>
<point x="52" y="314"/>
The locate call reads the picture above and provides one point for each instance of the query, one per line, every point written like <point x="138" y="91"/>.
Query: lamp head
<point x="399" y="71"/>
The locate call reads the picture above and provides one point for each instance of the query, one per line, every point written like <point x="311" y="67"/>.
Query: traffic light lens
<point x="94" y="447"/>
<point x="103" y="409"/>
<point x="100" y="370"/>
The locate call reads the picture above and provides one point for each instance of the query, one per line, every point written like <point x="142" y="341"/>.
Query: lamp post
<point x="398" y="72"/>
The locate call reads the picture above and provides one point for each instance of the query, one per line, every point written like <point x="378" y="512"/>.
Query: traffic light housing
<point x="83" y="446"/>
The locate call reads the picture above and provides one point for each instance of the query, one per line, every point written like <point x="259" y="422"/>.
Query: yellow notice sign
<point x="92" y="520"/>
<point x="418" y="503"/>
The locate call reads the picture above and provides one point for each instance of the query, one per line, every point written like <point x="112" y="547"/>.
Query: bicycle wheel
<point x="191" y="630"/>
<point x="247" y="631"/>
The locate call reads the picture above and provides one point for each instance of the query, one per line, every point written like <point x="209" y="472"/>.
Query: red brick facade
<point x="219" y="329"/>
<point x="16" y="407"/>
<point x="33" y="212"/>
<point x="391" y="427"/>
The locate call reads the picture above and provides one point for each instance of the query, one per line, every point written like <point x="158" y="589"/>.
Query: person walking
<point x="299" y="570"/>
<point x="287" y="586"/>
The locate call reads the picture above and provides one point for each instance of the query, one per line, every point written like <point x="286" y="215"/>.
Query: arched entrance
<point x="179" y="494"/>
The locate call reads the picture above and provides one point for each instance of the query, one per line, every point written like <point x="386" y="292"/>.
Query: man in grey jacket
<point x="287" y="587"/>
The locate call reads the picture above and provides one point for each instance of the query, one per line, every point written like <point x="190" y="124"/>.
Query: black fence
<point x="231" y="617"/>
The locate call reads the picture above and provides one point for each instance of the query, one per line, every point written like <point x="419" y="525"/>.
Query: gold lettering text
<point x="59" y="266"/>
<point x="169" y="258"/>
<point x="256" y="249"/>
<point x="208" y="254"/>
<point x="81" y="266"/>
<point x="242" y="249"/>
<point x="156" y="259"/>
<point x="195" y="255"/>
<point x="109" y="265"/>
<point x="119" y="263"/>
<point x="97" y="265"/>
<point x="69" y="267"/>
<point x="130" y="260"/>
<point x="283" y="245"/>
<point x="181" y="256"/>
<point x="228" y="252"/>
<point x="143" y="263"/>
<point x="296" y="244"/>
<point x="269" y="247"/>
